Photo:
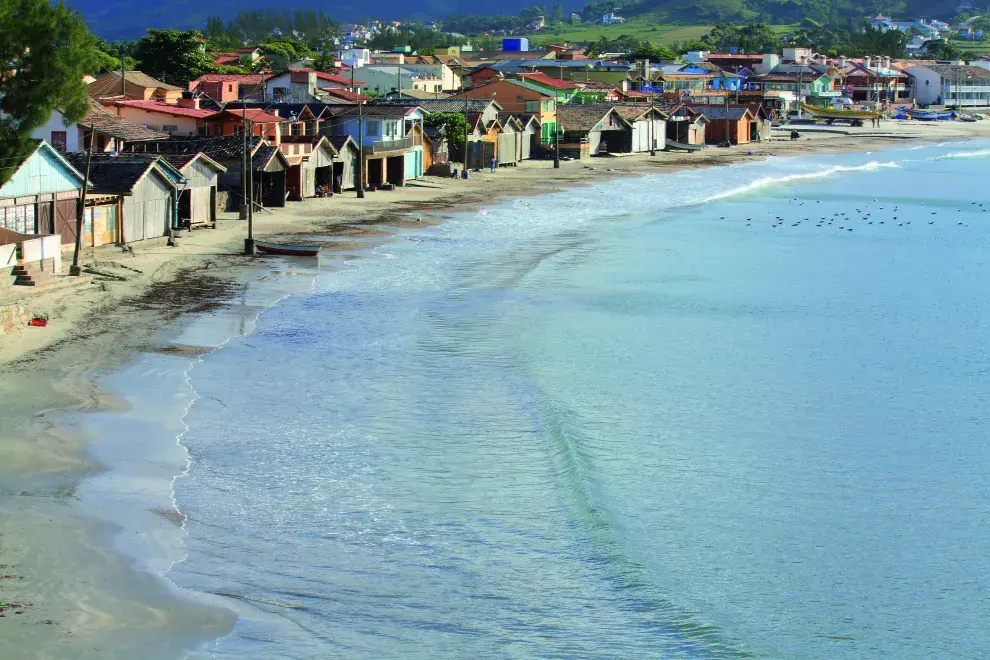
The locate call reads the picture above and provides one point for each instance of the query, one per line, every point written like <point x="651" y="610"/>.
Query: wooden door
<point x="65" y="220"/>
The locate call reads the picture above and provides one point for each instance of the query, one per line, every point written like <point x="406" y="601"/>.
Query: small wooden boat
<point x="838" y="115"/>
<point x="929" y="115"/>
<point x="671" y="144"/>
<point x="288" y="249"/>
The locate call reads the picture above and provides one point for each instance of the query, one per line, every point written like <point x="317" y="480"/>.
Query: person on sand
<point x="493" y="164"/>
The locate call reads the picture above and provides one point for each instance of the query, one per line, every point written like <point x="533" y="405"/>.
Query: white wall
<point x="157" y="120"/>
<point x="927" y="84"/>
<point x="54" y="123"/>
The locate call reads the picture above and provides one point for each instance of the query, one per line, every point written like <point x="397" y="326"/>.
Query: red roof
<point x="165" y="108"/>
<point x="329" y="77"/>
<point x="226" y="58"/>
<point x="344" y="94"/>
<point x="242" y="78"/>
<point x="256" y="115"/>
<point x="544" y="79"/>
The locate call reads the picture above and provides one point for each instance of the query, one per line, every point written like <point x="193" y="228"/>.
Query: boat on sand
<point x="288" y="249"/>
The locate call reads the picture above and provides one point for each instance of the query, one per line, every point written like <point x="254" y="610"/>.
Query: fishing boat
<point x="671" y="144"/>
<point x="830" y="114"/>
<point x="929" y="115"/>
<point x="287" y="249"/>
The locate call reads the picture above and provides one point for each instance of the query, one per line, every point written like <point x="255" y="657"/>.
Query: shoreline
<point x="102" y="327"/>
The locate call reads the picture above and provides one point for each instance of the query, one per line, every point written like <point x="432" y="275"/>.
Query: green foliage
<point x="417" y="37"/>
<point x="878" y="42"/>
<point x="753" y="38"/>
<point x="314" y="28"/>
<point x="172" y="55"/>
<point x="46" y="48"/>
<point x="941" y="49"/>
<point x="624" y="43"/>
<point x="647" y="51"/>
<point x="467" y="24"/>
<point x="324" y="62"/>
<point x="453" y="127"/>
<point x="557" y="13"/>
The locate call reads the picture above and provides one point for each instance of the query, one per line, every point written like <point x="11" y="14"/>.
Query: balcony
<point x="381" y="146"/>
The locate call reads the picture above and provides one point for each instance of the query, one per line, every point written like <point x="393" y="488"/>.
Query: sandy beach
<point x="63" y="591"/>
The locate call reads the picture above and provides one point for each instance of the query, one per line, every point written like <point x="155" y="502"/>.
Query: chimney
<point x="886" y="62"/>
<point x="644" y="69"/>
<point x="867" y="62"/>
<point x="188" y="100"/>
<point x="842" y="62"/>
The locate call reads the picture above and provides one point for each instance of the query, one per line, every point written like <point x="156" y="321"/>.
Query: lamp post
<point x="360" y="182"/>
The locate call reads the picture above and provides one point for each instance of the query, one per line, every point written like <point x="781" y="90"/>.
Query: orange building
<point x="519" y="97"/>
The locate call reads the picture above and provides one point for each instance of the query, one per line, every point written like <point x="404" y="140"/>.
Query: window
<point x="373" y="128"/>
<point x="230" y="88"/>
<point x="170" y="128"/>
<point x="202" y="131"/>
<point x="18" y="218"/>
<point x="58" y="140"/>
<point x="295" y="129"/>
<point x="532" y="106"/>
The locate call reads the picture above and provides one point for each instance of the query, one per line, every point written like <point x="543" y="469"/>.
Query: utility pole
<point x="360" y="182"/>
<point x="653" y="138"/>
<point x="467" y="109"/>
<point x="249" y="241"/>
<point x="244" y="164"/>
<point x="75" y="269"/>
<point x="556" y="138"/>
<point x="123" y="73"/>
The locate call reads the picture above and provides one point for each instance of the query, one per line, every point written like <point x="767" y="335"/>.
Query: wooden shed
<point x="649" y="126"/>
<point x="509" y="140"/>
<point x="42" y="195"/>
<point x="148" y="190"/>
<point x="593" y="129"/>
<point x="345" y="166"/>
<point x="198" y="195"/>
<point x="311" y="159"/>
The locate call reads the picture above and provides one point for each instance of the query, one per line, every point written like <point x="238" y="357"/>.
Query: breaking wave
<point x="764" y="182"/>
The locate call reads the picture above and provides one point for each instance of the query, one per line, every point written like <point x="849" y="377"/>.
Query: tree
<point x="752" y="38"/>
<point x="647" y="51"/>
<point x="453" y="127"/>
<point x="175" y="56"/>
<point x="46" y="49"/>
<point x="941" y="49"/>
<point x="325" y="62"/>
<point x="877" y="42"/>
<point x="557" y="13"/>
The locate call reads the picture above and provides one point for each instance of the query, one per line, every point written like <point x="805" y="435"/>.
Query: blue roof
<point x="44" y="171"/>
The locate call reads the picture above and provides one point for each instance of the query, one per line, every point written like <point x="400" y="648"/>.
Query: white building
<point x="951" y="84"/>
<point x="355" y="57"/>
<point x="385" y="78"/>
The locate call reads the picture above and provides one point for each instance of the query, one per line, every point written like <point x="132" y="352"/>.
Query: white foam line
<point x="788" y="178"/>
<point x="185" y="429"/>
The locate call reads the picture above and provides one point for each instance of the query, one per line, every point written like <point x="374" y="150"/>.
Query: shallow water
<point x="632" y="420"/>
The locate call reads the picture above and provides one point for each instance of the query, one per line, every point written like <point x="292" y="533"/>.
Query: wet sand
<point x="78" y="598"/>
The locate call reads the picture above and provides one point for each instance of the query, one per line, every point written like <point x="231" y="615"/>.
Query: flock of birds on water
<point x="866" y="214"/>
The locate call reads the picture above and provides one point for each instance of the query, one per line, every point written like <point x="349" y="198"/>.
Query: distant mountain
<point x="128" y="19"/>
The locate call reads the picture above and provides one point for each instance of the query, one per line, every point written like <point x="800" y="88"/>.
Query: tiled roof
<point x="254" y="115"/>
<point x="339" y="142"/>
<point x="633" y="111"/>
<point x="330" y="77"/>
<point x="219" y="148"/>
<point x="959" y="70"/>
<point x="103" y="121"/>
<point x="421" y="94"/>
<point x="371" y="110"/>
<point x="532" y="87"/>
<point x="109" y="84"/>
<point x="715" y="112"/>
<point x="596" y="84"/>
<point x="165" y="108"/>
<point x="577" y="117"/>
<point x="242" y="78"/>
<point x="544" y="79"/>
<point x="351" y="97"/>
<point x="221" y="59"/>
<point x="451" y="104"/>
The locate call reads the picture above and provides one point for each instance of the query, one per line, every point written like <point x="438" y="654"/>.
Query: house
<point x="482" y="141"/>
<point x="565" y="91"/>
<point x="611" y="19"/>
<point x="184" y="118"/>
<point x="795" y="87"/>
<point x="592" y="130"/>
<point x="389" y="154"/>
<point x="226" y="59"/>
<point x="233" y="120"/>
<point x="434" y="66"/>
<point x="250" y="53"/>
<point x="311" y="159"/>
<point x="872" y="79"/>
<point x="227" y="87"/>
<point x="112" y="132"/>
<point x="135" y="85"/>
<point x="510" y="141"/>
<point x="41" y="198"/>
<point x="950" y="84"/>
<point x="389" y="78"/>
<point x="342" y="96"/>
<point x="200" y="189"/>
<point x="521" y="97"/>
<point x="649" y="126"/>
<point x="731" y="124"/>
<point x="148" y="192"/>
<point x="594" y="91"/>
<point x="303" y="85"/>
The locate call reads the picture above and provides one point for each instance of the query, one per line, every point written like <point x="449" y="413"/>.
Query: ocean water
<point x="642" y="419"/>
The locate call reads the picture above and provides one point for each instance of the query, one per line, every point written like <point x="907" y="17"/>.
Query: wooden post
<point x="75" y="270"/>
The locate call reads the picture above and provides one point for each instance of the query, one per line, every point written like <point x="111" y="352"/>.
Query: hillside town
<point x="152" y="159"/>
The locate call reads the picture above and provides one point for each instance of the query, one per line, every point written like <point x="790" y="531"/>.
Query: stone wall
<point x="13" y="318"/>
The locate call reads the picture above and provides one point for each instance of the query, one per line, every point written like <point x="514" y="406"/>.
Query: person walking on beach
<point x="493" y="164"/>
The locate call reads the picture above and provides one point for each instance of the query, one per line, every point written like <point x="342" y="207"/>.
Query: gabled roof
<point x="340" y="142"/>
<point x="373" y="110"/>
<point x="223" y="147"/>
<point x="344" y="95"/>
<point x="253" y="115"/>
<point x="715" y="112"/>
<point x="543" y="79"/>
<point x="585" y="117"/>
<point x="182" y="161"/>
<point x="315" y="141"/>
<point x="264" y="155"/>
<point x="119" y="175"/>
<point x="525" y="84"/>
<point x="105" y="122"/>
<point x="108" y="84"/>
<point x="48" y="149"/>
<point x="959" y="70"/>
<point x="634" y="111"/>
<point x="164" y="108"/>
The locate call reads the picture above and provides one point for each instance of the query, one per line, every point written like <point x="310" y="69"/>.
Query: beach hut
<point x="345" y="165"/>
<point x="198" y="195"/>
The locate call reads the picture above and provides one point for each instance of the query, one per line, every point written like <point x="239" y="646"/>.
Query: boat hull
<point x="844" y="115"/>
<point x="288" y="250"/>
<point x="684" y="147"/>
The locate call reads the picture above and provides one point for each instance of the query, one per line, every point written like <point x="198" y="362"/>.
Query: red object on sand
<point x="38" y="323"/>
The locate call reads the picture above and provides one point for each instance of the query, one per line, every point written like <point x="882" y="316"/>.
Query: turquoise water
<point x="639" y="419"/>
